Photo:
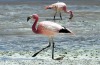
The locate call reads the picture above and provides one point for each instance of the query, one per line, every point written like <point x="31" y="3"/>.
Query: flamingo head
<point x="48" y="7"/>
<point x="34" y="16"/>
<point x="71" y="14"/>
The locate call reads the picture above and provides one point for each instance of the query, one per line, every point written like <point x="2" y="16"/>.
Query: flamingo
<point x="47" y="28"/>
<point x="58" y="7"/>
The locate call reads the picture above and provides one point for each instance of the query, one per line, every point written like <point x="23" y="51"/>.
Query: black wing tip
<point x="64" y="31"/>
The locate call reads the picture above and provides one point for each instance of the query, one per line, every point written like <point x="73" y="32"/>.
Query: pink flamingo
<point x="58" y="7"/>
<point x="47" y="28"/>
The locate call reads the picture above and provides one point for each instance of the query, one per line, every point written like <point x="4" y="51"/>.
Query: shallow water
<point x="18" y="43"/>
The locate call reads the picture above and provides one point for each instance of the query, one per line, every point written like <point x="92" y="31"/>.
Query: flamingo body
<point x="47" y="28"/>
<point x="60" y="7"/>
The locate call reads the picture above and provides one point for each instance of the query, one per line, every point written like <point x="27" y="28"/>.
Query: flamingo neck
<point x="69" y="11"/>
<point x="34" y="26"/>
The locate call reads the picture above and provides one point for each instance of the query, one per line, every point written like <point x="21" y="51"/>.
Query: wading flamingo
<point x="47" y="28"/>
<point x="59" y="7"/>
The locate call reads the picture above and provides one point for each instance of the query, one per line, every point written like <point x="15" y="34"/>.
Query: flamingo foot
<point x="34" y="54"/>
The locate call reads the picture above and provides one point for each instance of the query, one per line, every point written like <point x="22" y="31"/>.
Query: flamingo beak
<point x="71" y="16"/>
<point x="47" y="7"/>
<point x="28" y="18"/>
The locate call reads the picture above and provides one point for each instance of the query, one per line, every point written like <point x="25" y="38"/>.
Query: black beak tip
<point x="28" y="18"/>
<point x="71" y="16"/>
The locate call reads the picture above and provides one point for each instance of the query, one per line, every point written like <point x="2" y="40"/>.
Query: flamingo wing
<point x="51" y="26"/>
<point x="58" y="6"/>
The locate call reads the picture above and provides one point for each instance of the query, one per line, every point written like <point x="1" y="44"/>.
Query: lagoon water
<point x="18" y="43"/>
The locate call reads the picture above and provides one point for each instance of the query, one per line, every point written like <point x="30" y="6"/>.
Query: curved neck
<point x="34" y="26"/>
<point x="70" y="12"/>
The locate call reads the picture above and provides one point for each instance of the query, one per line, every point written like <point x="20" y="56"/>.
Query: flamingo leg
<point x="60" y="16"/>
<point x="55" y="15"/>
<point x="53" y="44"/>
<point x="42" y="49"/>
